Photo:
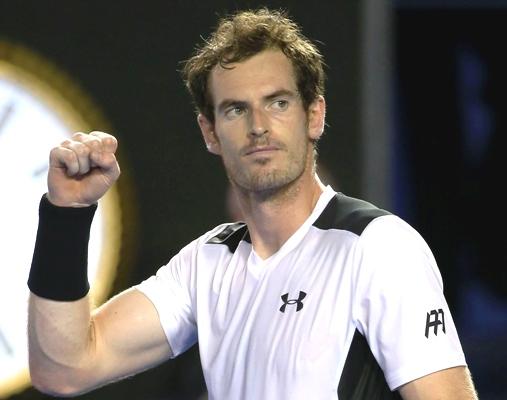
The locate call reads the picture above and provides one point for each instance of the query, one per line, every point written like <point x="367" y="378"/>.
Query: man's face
<point x="261" y="129"/>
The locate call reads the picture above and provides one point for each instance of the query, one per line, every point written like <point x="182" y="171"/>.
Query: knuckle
<point x="99" y="134"/>
<point x="110" y="141"/>
<point x="81" y="151"/>
<point x="104" y="137"/>
<point x="69" y="157"/>
<point x="92" y="142"/>
<point x="58" y="153"/>
<point x="54" y="151"/>
<point x="78" y="136"/>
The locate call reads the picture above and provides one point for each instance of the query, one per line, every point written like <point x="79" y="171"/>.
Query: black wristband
<point x="60" y="258"/>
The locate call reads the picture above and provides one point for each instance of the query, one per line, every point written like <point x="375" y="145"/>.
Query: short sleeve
<point x="170" y="292"/>
<point x="399" y="303"/>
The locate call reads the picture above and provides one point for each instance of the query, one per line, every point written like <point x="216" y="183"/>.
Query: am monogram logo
<point x="434" y="319"/>
<point x="298" y="301"/>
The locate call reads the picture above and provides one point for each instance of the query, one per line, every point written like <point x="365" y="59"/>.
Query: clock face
<point x="36" y="115"/>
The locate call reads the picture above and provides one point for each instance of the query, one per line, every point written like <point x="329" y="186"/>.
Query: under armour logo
<point x="433" y="319"/>
<point x="298" y="301"/>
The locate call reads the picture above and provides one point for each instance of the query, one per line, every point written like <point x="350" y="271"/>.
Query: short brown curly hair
<point x="244" y="34"/>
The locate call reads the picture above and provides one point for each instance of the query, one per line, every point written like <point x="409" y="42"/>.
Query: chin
<point x="271" y="181"/>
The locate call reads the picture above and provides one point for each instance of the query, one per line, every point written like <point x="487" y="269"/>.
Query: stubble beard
<point x="266" y="182"/>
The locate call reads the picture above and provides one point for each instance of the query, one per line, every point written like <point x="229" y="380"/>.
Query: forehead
<point x="259" y="75"/>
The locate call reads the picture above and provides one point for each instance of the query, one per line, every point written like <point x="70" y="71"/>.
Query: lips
<point x="260" y="149"/>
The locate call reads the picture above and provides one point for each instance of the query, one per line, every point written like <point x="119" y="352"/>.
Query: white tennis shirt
<point x="350" y="307"/>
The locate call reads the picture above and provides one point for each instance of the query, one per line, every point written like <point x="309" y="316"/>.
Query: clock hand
<point x="5" y="114"/>
<point x="5" y="344"/>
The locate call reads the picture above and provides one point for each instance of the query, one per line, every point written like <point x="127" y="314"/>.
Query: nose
<point x="258" y="122"/>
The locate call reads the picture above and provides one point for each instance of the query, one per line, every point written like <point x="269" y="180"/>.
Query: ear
<point x="208" y="134"/>
<point x="316" y="118"/>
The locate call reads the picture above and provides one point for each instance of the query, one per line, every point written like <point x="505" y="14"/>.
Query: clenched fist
<point x="82" y="169"/>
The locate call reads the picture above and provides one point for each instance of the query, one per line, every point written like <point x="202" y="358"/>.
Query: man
<point x="316" y="296"/>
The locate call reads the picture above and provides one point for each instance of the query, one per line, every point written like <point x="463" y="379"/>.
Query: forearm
<point x="70" y="351"/>
<point x="61" y="343"/>
<point x="449" y="384"/>
<point x="60" y="332"/>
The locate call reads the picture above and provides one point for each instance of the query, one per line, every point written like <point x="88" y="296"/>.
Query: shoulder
<point x="221" y="240"/>
<point x="229" y="235"/>
<point x="204" y="250"/>
<point x="366" y="220"/>
<point x="383" y="242"/>
<point x="349" y="214"/>
<point x="226" y="233"/>
<point x="390" y="251"/>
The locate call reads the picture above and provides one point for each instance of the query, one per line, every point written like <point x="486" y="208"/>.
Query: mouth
<point x="260" y="150"/>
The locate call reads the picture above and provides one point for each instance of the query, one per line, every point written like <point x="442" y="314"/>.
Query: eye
<point x="280" y="105"/>
<point x="234" y="111"/>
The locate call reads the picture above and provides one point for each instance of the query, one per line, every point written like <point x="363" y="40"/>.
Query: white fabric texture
<point x="383" y="283"/>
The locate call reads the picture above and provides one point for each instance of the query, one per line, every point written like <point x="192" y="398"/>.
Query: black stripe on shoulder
<point x="348" y="213"/>
<point x="231" y="235"/>
<point x="362" y="378"/>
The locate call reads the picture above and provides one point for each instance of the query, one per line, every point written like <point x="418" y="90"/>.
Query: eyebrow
<point x="277" y="93"/>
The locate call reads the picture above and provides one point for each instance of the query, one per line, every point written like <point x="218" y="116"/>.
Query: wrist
<point x="60" y="259"/>
<point x="58" y="202"/>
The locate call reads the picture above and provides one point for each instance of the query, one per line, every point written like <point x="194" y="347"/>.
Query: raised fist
<point x="82" y="169"/>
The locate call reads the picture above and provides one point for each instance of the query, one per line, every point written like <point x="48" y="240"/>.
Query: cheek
<point x="228" y="146"/>
<point x="229" y="151"/>
<point x="231" y="136"/>
<point x="300" y="134"/>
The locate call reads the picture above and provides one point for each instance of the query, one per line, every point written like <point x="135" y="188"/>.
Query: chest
<point x="289" y="314"/>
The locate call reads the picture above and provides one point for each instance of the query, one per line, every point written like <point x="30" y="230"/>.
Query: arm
<point x="406" y="318"/>
<point x="449" y="384"/>
<point x="73" y="349"/>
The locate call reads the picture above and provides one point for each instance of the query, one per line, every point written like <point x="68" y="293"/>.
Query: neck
<point x="273" y="217"/>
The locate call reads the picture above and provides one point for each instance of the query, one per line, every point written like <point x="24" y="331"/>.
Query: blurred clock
<point x="39" y="107"/>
